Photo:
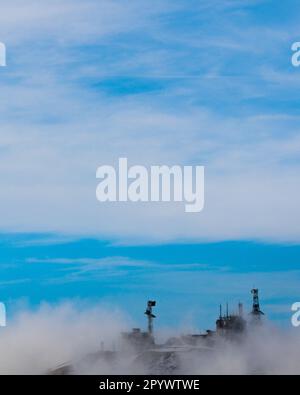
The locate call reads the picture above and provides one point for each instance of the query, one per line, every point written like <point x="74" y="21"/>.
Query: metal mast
<point x="256" y="312"/>
<point x="150" y="315"/>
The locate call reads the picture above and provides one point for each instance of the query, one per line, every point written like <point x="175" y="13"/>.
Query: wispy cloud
<point x="166" y="83"/>
<point x="10" y="283"/>
<point x="83" y="269"/>
<point x="91" y="262"/>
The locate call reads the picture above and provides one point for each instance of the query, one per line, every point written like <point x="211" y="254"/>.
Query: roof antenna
<point x="256" y="311"/>
<point x="150" y="315"/>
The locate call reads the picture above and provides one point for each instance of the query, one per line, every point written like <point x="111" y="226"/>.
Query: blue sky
<point x="188" y="280"/>
<point x="163" y="82"/>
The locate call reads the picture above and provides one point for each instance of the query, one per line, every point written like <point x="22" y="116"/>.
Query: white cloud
<point x="35" y="342"/>
<point x="48" y="180"/>
<point x="55" y="131"/>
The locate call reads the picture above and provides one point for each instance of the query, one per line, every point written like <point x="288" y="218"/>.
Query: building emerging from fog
<point x="141" y="349"/>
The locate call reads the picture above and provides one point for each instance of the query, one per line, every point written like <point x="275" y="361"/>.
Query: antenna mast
<point x="150" y="315"/>
<point x="256" y="312"/>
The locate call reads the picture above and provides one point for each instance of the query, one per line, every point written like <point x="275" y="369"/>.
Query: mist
<point x="40" y="341"/>
<point x="36" y="341"/>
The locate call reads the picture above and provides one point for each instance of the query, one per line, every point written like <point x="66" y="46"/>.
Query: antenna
<point x="256" y="312"/>
<point x="150" y="315"/>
